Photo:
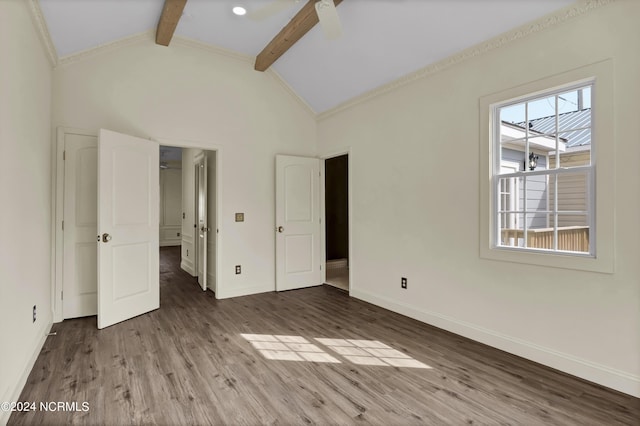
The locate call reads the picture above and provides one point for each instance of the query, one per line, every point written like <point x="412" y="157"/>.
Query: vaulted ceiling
<point x="382" y="40"/>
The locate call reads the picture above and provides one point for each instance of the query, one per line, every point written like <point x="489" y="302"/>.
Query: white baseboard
<point x="14" y="396"/>
<point x="187" y="267"/>
<point x="170" y="243"/>
<point x="243" y="291"/>
<point x="585" y="369"/>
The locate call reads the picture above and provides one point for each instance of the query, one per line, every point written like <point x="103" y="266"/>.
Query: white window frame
<point x="602" y="217"/>
<point x="514" y="191"/>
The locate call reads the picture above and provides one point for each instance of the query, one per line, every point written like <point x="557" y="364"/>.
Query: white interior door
<point x="80" y="272"/>
<point x="128" y="224"/>
<point x="201" y="214"/>
<point x="298" y="254"/>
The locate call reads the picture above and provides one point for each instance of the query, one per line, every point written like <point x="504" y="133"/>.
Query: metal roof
<point x="567" y="122"/>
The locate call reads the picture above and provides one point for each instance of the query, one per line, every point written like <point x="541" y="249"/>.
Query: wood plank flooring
<point x="187" y="363"/>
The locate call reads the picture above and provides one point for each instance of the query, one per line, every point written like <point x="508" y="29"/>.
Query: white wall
<point x="415" y="169"/>
<point x="25" y="188"/>
<point x="183" y="93"/>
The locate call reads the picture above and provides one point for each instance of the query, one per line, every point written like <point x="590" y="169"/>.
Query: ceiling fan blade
<point x="272" y="8"/>
<point x="329" y="19"/>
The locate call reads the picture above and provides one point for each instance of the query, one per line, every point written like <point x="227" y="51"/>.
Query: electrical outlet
<point x="238" y="269"/>
<point x="34" y="313"/>
<point x="403" y="282"/>
<point x="239" y="217"/>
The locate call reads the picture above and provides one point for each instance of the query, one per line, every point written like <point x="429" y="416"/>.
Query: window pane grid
<point x="544" y="206"/>
<point x="559" y="212"/>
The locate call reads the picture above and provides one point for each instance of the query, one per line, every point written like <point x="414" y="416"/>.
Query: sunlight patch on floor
<point x="288" y="348"/>
<point x="371" y="352"/>
<point x="357" y="351"/>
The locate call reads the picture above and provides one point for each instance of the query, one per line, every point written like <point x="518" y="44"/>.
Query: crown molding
<point x="518" y="33"/>
<point x="146" y="36"/>
<point x="190" y="42"/>
<point x="107" y="47"/>
<point x="187" y="42"/>
<point x="278" y="78"/>
<point x="43" y="31"/>
<point x="578" y="9"/>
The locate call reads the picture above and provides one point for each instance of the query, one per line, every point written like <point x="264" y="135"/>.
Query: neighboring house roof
<point x="566" y="121"/>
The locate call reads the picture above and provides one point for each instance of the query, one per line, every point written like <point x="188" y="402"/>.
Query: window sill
<point x="575" y="261"/>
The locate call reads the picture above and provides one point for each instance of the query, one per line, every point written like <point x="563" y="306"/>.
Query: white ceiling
<point x="382" y="39"/>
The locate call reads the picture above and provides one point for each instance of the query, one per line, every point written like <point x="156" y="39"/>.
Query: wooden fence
<point x="570" y="238"/>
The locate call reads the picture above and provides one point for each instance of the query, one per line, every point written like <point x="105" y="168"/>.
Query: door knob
<point x="106" y="238"/>
<point x="280" y="229"/>
<point x="204" y="229"/>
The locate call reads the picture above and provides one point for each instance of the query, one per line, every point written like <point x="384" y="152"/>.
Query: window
<point x="543" y="172"/>
<point x="550" y="216"/>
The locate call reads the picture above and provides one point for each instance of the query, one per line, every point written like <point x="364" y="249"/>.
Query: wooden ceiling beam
<point x="171" y="14"/>
<point x="304" y="20"/>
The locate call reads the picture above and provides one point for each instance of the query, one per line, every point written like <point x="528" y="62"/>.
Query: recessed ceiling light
<point x="239" y="10"/>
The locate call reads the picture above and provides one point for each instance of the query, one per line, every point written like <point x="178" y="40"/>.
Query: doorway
<point x="200" y="216"/>
<point x="76" y="199"/>
<point x="170" y="196"/>
<point x="79" y="225"/>
<point x="187" y="209"/>
<point x="189" y="215"/>
<point x="336" y="176"/>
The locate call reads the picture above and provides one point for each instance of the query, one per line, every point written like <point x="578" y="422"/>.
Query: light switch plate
<point x="239" y="217"/>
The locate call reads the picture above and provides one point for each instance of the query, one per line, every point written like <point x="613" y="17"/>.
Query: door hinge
<point x="64" y="155"/>
<point x="63" y="225"/>
<point x="62" y="295"/>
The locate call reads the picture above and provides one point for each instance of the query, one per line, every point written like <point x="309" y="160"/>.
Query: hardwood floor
<point x="187" y="363"/>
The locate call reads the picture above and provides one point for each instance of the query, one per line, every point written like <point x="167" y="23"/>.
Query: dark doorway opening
<point x="337" y="221"/>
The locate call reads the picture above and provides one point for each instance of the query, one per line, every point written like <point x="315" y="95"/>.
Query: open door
<point x="128" y="247"/>
<point x="201" y="215"/>
<point x="297" y="222"/>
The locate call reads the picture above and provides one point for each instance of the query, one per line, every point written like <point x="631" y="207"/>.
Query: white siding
<point x="572" y="189"/>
